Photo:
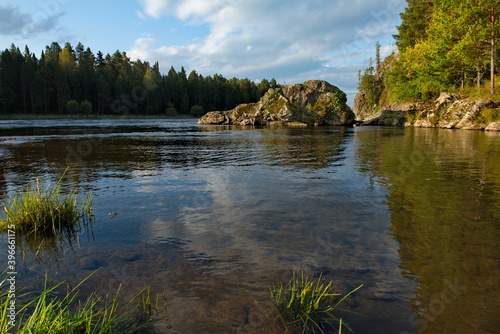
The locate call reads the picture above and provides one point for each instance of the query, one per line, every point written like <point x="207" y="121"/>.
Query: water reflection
<point x="219" y="213"/>
<point x="444" y="199"/>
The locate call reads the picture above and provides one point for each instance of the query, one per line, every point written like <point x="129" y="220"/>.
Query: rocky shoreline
<point x="449" y="111"/>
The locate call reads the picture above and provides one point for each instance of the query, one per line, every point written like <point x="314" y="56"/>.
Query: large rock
<point x="314" y="102"/>
<point x="395" y="114"/>
<point x="493" y="126"/>
<point x="454" y="111"/>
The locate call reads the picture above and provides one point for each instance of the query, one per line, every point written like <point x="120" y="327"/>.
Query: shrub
<point x="197" y="111"/>
<point x="170" y="111"/>
<point x="73" y="107"/>
<point x="488" y="115"/>
<point x="86" y="107"/>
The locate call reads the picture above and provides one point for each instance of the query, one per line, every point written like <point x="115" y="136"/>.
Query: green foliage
<point x="488" y="115"/>
<point x="377" y="56"/>
<point x="306" y="306"/>
<point x="197" y="111"/>
<point x="415" y="21"/>
<point x="50" y="312"/>
<point x="444" y="45"/>
<point x="86" y="107"/>
<point x="411" y="117"/>
<point x="112" y="84"/>
<point x="272" y="95"/>
<point x="73" y="107"/>
<point x="483" y="92"/>
<point x="170" y="111"/>
<point x="370" y="85"/>
<point x="41" y="210"/>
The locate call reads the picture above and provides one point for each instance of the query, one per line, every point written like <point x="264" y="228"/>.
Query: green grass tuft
<point x="40" y="209"/>
<point x="49" y="313"/>
<point x="307" y="306"/>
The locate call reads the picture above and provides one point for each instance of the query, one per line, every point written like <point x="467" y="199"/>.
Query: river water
<point x="216" y="214"/>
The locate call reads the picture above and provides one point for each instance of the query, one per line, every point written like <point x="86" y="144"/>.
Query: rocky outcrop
<point x="454" y="111"/>
<point x="448" y="111"/>
<point x="493" y="126"/>
<point x="369" y="102"/>
<point x="314" y="102"/>
<point x="395" y="114"/>
<point x="362" y="108"/>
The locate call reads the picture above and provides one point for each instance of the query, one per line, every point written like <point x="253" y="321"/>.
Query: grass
<point x="41" y="209"/>
<point x="484" y="91"/>
<point x="307" y="306"/>
<point x="488" y="115"/>
<point x="411" y="117"/>
<point x="48" y="313"/>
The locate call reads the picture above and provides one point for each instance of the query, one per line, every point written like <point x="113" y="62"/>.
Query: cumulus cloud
<point x="284" y="39"/>
<point x="15" y="23"/>
<point x="12" y="21"/>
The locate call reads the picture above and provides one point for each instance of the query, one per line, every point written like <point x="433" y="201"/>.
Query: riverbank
<point x="449" y="111"/>
<point x="468" y="108"/>
<point x="57" y="116"/>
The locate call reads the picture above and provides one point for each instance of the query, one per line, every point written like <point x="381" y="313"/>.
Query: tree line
<point x="443" y="45"/>
<point x="69" y="80"/>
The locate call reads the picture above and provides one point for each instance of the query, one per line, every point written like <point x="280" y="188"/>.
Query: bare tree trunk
<point x="24" y="99"/>
<point x="478" y="80"/>
<point x="32" y="98"/>
<point x="492" y="87"/>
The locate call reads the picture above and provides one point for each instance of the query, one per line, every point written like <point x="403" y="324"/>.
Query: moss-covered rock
<point x="315" y="102"/>
<point x="448" y="111"/>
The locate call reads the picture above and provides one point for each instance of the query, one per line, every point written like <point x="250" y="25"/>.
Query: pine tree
<point x="415" y="21"/>
<point x="377" y="56"/>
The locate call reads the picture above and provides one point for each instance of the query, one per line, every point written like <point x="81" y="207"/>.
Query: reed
<point x="304" y="305"/>
<point x="48" y="313"/>
<point x="42" y="209"/>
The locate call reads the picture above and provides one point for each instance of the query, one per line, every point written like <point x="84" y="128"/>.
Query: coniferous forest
<point x="74" y="80"/>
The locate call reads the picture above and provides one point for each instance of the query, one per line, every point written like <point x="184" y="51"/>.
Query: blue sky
<point x="291" y="41"/>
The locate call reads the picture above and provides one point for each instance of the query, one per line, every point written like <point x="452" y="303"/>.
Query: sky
<point x="291" y="41"/>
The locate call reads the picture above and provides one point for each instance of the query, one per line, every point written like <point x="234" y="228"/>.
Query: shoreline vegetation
<point x="91" y="116"/>
<point x="54" y="311"/>
<point x="305" y="305"/>
<point x="38" y="209"/>
<point x="444" y="73"/>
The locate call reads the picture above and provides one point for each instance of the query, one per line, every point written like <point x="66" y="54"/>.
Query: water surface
<point x="217" y="214"/>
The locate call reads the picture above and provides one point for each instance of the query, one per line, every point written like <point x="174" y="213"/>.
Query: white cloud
<point x="289" y="40"/>
<point x="12" y="21"/>
<point x="191" y="9"/>
<point x="15" y="23"/>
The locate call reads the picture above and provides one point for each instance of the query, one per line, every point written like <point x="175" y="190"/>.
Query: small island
<point x="315" y="102"/>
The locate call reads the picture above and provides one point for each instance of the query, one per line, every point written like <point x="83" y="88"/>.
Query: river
<point x="217" y="214"/>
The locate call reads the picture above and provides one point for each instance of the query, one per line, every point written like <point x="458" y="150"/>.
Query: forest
<point x="443" y="45"/>
<point x="72" y="80"/>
